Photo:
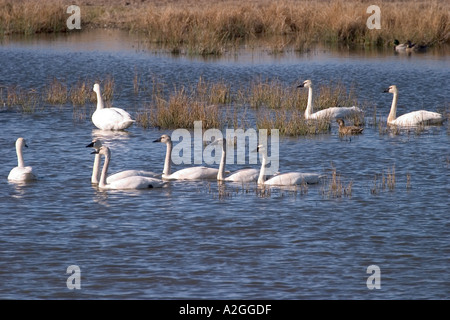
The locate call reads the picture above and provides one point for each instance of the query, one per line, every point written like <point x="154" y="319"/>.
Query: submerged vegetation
<point x="207" y="27"/>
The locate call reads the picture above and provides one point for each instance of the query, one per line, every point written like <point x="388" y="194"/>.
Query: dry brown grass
<point x="208" y="27"/>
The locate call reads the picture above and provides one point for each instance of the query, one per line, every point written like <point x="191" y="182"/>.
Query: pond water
<point x="190" y="241"/>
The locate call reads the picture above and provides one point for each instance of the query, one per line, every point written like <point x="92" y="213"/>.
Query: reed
<point x="335" y="187"/>
<point x="206" y="27"/>
<point x="56" y="92"/>
<point x="180" y="111"/>
<point x="32" y="16"/>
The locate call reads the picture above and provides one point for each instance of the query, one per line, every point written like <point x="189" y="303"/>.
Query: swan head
<point x="96" y="88"/>
<point x="305" y="84"/>
<point x="103" y="150"/>
<point x="219" y="141"/>
<point x="20" y="143"/>
<point x="96" y="144"/>
<point x="163" y="139"/>
<point x="391" y="89"/>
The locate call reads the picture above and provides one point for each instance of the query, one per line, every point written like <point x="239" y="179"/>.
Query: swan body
<point x="95" y="178"/>
<point x="192" y="173"/>
<point x="109" y="118"/>
<point x="345" y="130"/>
<point x="285" y="179"/>
<point x="21" y="172"/>
<point x="131" y="182"/>
<point x="329" y="113"/>
<point x="415" y="118"/>
<point x="243" y="176"/>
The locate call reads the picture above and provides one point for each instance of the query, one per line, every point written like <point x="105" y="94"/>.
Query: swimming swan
<point x="329" y="113"/>
<point x="97" y="144"/>
<point x="21" y="173"/>
<point x="243" y="175"/>
<point x="133" y="182"/>
<point x="415" y="118"/>
<point x="284" y="179"/>
<point x="109" y="118"/>
<point x="192" y="173"/>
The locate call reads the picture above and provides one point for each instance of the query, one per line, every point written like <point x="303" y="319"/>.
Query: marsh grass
<point x="26" y="101"/>
<point x="56" y="92"/>
<point x="335" y="188"/>
<point x="212" y="28"/>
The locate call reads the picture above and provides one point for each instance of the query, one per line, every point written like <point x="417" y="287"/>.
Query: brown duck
<point x="343" y="129"/>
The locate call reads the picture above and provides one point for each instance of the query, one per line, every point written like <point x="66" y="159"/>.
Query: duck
<point x="329" y="113"/>
<point x="415" y="118"/>
<point x="109" y="118"/>
<point x="400" y="47"/>
<point x="413" y="47"/>
<point x="192" y="173"/>
<point x="348" y="130"/>
<point x="97" y="144"/>
<point x="21" y="172"/>
<point x="128" y="183"/>
<point x="284" y="179"/>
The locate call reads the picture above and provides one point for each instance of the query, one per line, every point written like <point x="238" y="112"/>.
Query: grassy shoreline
<point x="206" y="27"/>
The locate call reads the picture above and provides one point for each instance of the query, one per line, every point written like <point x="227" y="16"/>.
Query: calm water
<point x="189" y="241"/>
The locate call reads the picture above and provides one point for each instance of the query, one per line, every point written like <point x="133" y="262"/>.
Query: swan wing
<point x="129" y="173"/>
<point x="136" y="182"/>
<point x="194" y="173"/>
<point x="336" y="112"/>
<point x="21" y="174"/>
<point x="244" y="175"/>
<point x="293" y="178"/>
<point x="112" y="119"/>
<point x="418" y="118"/>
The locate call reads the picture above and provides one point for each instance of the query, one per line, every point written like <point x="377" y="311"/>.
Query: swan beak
<point x="90" y="145"/>
<point x="386" y="90"/>
<point x="301" y="85"/>
<point x="26" y="146"/>
<point x="95" y="152"/>
<point x="157" y="140"/>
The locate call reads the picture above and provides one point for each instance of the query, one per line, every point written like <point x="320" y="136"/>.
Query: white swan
<point x="133" y="182"/>
<point x="242" y="176"/>
<point x="415" y="118"/>
<point x="284" y="179"/>
<point x="97" y="144"/>
<point x="329" y="113"/>
<point x="21" y="173"/>
<point x="109" y="118"/>
<point x="192" y="173"/>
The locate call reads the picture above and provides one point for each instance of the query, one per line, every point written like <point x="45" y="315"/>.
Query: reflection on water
<point x="211" y="240"/>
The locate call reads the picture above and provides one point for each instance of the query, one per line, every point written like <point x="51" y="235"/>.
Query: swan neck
<point x="100" y="104"/>
<point x="95" y="170"/>
<point x="104" y="171"/>
<point x="167" y="161"/>
<point x="309" y="107"/>
<point x="393" y="112"/>
<point x="262" y="172"/>
<point x="20" y="162"/>
<point x="221" y="173"/>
